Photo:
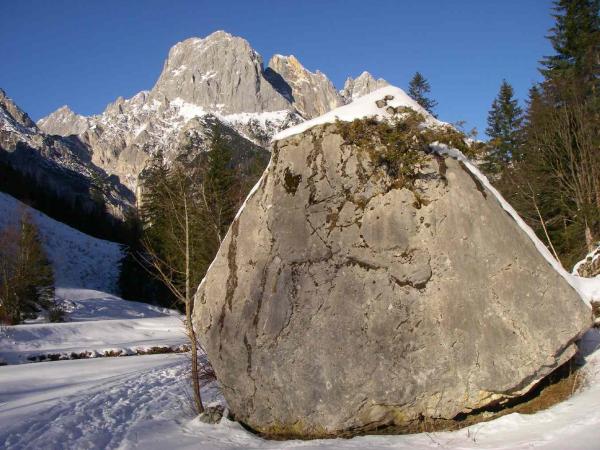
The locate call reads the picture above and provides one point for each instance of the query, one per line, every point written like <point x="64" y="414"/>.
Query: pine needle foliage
<point x="26" y="276"/>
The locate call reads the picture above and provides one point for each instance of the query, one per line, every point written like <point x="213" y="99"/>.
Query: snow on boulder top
<point x="363" y="107"/>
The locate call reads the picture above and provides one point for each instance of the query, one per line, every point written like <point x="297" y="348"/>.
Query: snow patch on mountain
<point x="78" y="260"/>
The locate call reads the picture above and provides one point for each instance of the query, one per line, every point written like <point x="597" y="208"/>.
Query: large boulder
<point x="340" y="301"/>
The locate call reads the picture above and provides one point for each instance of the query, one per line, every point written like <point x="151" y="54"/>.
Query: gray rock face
<point x="312" y="94"/>
<point x="129" y="131"/>
<point x="219" y="72"/>
<point x="590" y="266"/>
<point x="221" y="75"/>
<point x="62" y="165"/>
<point x="218" y="79"/>
<point x="10" y="111"/>
<point x="64" y="122"/>
<point x="362" y="85"/>
<point x="338" y="302"/>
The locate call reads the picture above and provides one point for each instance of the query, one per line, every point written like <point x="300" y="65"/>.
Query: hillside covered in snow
<point x="86" y="273"/>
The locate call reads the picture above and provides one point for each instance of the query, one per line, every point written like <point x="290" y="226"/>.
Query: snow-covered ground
<point x="103" y="323"/>
<point x="141" y="402"/>
<point x="86" y="272"/>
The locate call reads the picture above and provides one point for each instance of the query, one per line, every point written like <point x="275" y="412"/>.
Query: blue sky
<point x="87" y="53"/>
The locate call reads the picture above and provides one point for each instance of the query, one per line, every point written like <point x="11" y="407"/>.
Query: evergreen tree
<point x="220" y="186"/>
<point x="186" y="210"/>
<point x="555" y="183"/>
<point x="576" y="41"/>
<point x="504" y="123"/>
<point x="26" y="276"/>
<point x="418" y="89"/>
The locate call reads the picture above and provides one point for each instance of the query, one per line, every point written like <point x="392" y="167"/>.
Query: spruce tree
<point x="504" y="123"/>
<point x="576" y="41"/>
<point x="554" y="180"/>
<point x="418" y="89"/>
<point x="26" y="276"/>
<point x="221" y="185"/>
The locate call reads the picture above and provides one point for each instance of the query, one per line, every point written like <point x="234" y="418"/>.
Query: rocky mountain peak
<point x="9" y="108"/>
<point x="64" y="122"/>
<point x="312" y="93"/>
<point x="364" y="84"/>
<point x="220" y="73"/>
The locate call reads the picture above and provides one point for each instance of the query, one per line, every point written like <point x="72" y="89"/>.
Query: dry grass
<point x="555" y="388"/>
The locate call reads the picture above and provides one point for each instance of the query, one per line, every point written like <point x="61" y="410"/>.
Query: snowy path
<point x="86" y="403"/>
<point x="141" y="402"/>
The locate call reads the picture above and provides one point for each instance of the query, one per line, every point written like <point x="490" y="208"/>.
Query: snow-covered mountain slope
<point x="136" y="402"/>
<point x="218" y="80"/>
<point x="59" y="165"/>
<point x="79" y="261"/>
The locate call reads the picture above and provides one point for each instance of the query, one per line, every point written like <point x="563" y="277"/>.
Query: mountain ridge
<point x="220" y="75"/>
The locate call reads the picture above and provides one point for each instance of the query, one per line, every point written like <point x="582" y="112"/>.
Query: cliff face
<point x="362" y="85"/>
<point x="220" y="76"/>
<point x="219" y="73"/>
<point x="312" y="94"/>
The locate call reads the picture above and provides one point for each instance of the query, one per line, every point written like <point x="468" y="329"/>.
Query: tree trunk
<point x="188" y="317"/>
<point x="589" y="238"/>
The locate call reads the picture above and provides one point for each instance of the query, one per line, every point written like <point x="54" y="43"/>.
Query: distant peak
<point x="291" y="63"/>
<point x="363" y="84"/>
<point x="364" y="74"/>
<point x="64" y="109"/>
<point x="219" y="34"/>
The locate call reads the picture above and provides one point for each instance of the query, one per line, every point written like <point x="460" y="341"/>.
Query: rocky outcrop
<point x="362" y="85"/>
<point x="220" y="72"/>
<point x="11" y="112"/>
<point x="64" y="122"/>
<point x="312" y="94"/>
<point x="218" y="80"/>
<point x="589" y="266"/>
<point x="341" y="301"/>
<point x="59" y="165"/>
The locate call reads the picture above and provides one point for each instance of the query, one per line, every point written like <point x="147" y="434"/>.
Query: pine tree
<point x="220" y="186"/>
<point x="26" y="276"/>
<point x="576" y="41"/>
<point x="418" y="89"/>
<point x="504" y="123"/>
